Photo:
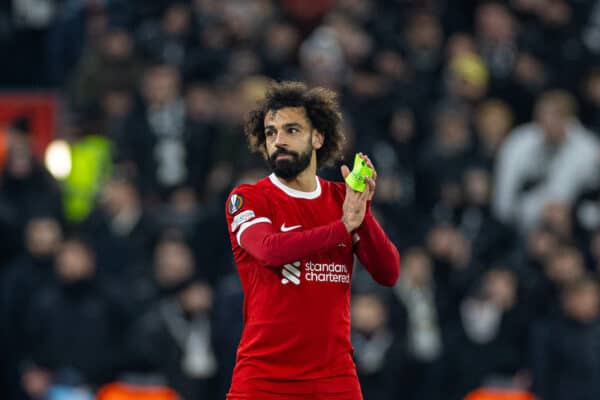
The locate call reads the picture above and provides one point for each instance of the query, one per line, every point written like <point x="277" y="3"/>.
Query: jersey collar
<point x="296" y="193"/>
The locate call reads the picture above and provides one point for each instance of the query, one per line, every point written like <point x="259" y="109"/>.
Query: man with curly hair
<point x="294" y="237"/>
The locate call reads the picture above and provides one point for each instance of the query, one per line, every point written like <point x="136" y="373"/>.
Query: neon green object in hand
<point x="360" y="170"/>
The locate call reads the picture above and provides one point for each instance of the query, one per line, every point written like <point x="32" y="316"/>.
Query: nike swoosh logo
<point x="289" y="228"/>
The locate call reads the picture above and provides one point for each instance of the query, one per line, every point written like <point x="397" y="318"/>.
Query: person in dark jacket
<point x="565" y="349"/>
<point x="488" y="344"/>
<point x="174" y="338"/>
<point x="21" y="279"/>
<point x="377" y="347"/>
<point x="71" y="327"/>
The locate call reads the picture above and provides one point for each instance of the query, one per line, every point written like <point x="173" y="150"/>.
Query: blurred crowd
<point x="483" y="121"/>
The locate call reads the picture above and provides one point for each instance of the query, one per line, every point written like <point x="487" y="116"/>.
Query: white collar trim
<point x="296" y="193"/>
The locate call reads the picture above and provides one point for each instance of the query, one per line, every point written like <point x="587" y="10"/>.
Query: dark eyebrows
<point x="285" y="126"/>
<point x="292" y="125"/>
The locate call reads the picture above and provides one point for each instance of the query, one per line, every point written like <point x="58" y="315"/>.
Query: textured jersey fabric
<point x="295" y="260"/>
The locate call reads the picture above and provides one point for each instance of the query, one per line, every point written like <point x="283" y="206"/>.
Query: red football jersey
<point x="295" y="260"/>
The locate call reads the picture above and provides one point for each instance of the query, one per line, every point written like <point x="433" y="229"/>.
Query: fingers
<point x="370" y="181"/>
<point x="371" y="188"/>
<point x="345" y="171"/>
<point x="371" y="184"/>
<point x="369" y="163"/>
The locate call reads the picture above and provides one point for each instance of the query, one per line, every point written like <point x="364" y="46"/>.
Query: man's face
<point x="553" y="123"/>
<point x="584" y="304"/>
<point x="160" y="85"/>
<point x="74" y="263"/>
<point x="290" y="141"/>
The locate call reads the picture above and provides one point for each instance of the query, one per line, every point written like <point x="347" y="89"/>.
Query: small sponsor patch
<point x="241" y="218"/>
<point x="236" y="202"/>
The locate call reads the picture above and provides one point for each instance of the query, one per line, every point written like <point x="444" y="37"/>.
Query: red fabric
<point x="296" y="336"/>
<point x="377" y="253"/>
<point x="41" y="110"/>
<point x="275" y="248"/>
<point x="260" y="395"/>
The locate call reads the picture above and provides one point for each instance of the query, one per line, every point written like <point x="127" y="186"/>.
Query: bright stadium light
<point x="58" y="159"/>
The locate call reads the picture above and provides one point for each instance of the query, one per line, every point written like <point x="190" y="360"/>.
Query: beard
<point x="289" y="168"/>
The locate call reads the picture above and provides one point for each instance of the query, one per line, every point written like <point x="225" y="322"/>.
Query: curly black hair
<point x="321" y="107"/>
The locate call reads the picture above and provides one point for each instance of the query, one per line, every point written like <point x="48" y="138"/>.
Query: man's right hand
<point x="355" y="203"/>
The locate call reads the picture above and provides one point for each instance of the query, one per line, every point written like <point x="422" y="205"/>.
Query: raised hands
<point x="355" y="203"/>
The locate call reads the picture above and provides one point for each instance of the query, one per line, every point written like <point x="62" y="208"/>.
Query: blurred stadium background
<point x="120" y="136"/>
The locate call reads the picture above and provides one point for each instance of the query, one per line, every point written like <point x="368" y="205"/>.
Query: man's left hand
<point x="372" y="180"/>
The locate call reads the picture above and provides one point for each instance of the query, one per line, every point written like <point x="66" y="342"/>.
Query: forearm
<point x="377" y="253"/>
<point x="273" y="248"/>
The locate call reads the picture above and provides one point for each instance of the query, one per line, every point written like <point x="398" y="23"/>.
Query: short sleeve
<point x="246" y="206"/>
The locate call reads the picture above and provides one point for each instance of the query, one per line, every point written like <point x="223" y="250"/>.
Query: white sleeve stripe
<point x="248" y="224"/>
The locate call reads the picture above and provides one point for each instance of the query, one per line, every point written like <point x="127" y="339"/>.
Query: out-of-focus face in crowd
<point x="557" y="216"/>
<point x="176" y="20"/>
<point x="494" y="23"/>
<point x="500" y="287"/>
<point x="402" y="126"/>
<point x="75" y="262"/>
<point x="196" y="298"/>
<point x="581" y="300"/>
<point x="281" y="41"/>
<point x="445" y="243"/>
<point x="355" y="42"/>
<point x="540" y="244"/>
<point x="564" y="266"/>
<point x="553" y="111"/>
<point x="43" y="237"/>
<point x="452" y="129"/>
<point x="417" y="268"/>
<point x="322" y="58"/>
<point x="493" y="121"/>
<point x="368" y="313"/>
<point x="173" y="263"/>
<point x="116" y="103"/>
<point x="477" y="187"/>
<point x="119" y="195"/>
<point x="19" y="161"/>
<point x="160" y="85"/>
<point x="460" y="44"/>
<point x="201" y="103"/>
<point x="117" y="45"/>
<point x="424" y="32"/>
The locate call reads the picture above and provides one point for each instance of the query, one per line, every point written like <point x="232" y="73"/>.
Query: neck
<point x="305" y="181"/>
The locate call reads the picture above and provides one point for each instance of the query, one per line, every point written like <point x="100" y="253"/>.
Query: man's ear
<point x="317" y="139"/>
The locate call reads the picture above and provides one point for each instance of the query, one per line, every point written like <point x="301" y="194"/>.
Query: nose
<point x="280" y="140"/>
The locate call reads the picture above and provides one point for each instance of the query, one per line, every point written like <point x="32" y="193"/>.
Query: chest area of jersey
<point x="288" y="214"/>
<point x="328" y="269"/>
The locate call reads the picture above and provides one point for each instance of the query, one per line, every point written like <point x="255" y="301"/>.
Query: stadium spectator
<point x="553" y="158"/>
<point x="71" y="327"/>
<point x="377" y="348"/>
<point x="174" y="339"/>
<point x="564" y="366"/>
